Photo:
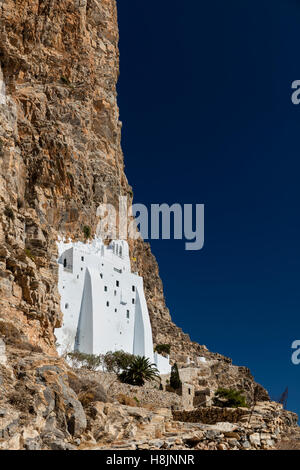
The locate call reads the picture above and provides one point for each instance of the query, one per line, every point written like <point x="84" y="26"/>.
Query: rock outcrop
<point x="60" y="154"/>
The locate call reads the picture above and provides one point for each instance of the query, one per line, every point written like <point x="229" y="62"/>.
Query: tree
<point x="163" y="348"/>
<point x="229" y="398"/>
<point x="139" y="371"/>
<point x="117" y="361"/>
<point x="87" y="231"/>
<point x="175" y="381"/>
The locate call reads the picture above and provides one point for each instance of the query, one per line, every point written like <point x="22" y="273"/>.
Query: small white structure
<point x="103" y="302"/>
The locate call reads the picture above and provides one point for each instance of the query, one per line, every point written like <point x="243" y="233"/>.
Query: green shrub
<point x="126" y="400"/>
<point x="65" y="80"/>
<point x="87" y="361"/>
<point x="139" y="371"/>
<point x="229" y="398"/>
<point x="29" y="254"/>
<point x="163" y="348"/>
<point x="175" y="381"/>
<point x="117" y="361"/>
<point x="87" y="232"/>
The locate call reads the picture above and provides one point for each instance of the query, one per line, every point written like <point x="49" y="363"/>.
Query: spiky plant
<point x="139" y="371"/>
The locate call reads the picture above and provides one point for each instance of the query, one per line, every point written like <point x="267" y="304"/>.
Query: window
<point x="105" y="288"/>
<point x="117" y="283"/>
<point x="127" y="314"/>
<point x="133" y="288"/>
<point x="115" y="293"/>
<point x="77" y="276"/>
<point x="81" y="269"/>
<point x="133" y="301"/>
<point x="66" y="305"/>
<point x="82" y="258"/>
<point x="107" y="304"/>
<point x="116" y="310"/>
<point x="65" y="263"/>
<point x="101" y="275"/>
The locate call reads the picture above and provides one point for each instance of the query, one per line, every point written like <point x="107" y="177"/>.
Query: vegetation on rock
<point x="139" y="371"/>
<point x="128" y="401"/>
<point x="87" y="361"/>
<point x="163" y="348"/>
<point x="229" y="398"/>
<point x="87" y="231"/>
<point x="29" y="254"/>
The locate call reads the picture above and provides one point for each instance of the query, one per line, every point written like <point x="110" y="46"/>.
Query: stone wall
<point x="211" y="415"/>
<point x="149" y="394"/>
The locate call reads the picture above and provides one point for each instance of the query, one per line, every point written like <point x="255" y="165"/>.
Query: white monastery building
<point x="103" y="302"/>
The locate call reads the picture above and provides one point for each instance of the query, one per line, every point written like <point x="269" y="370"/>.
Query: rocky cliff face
<point x="60" y="157"/>
<point x="60" y="145"/>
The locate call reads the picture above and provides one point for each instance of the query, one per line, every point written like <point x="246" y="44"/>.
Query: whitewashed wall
<point x="103" y="302"/>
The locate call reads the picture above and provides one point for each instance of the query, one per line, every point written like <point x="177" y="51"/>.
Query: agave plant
<point x="139" y="371"/>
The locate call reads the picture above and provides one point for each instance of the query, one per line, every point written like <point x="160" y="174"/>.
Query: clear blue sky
<point x="204" y="95"/>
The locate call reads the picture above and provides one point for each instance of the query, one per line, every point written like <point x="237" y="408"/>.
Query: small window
<point x="101" y="275"/>
<point x="133" y="301"/>
<point x="117" y="283"/>
<point x="77" y="276"/>
<point x="66" y="305"/>
<point x="82" y="258"/>
<point x="133" y="288"/>
<point x="105" y="288"/>
<point x="65" y="263"/>
<point x="116" y="310"/>
<point x="115" y="293"/>
<point x="81" y="269"/>
<point x="127" y="314"/>
<point x="107" y="304"/>
<point x="189" y="391"/>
